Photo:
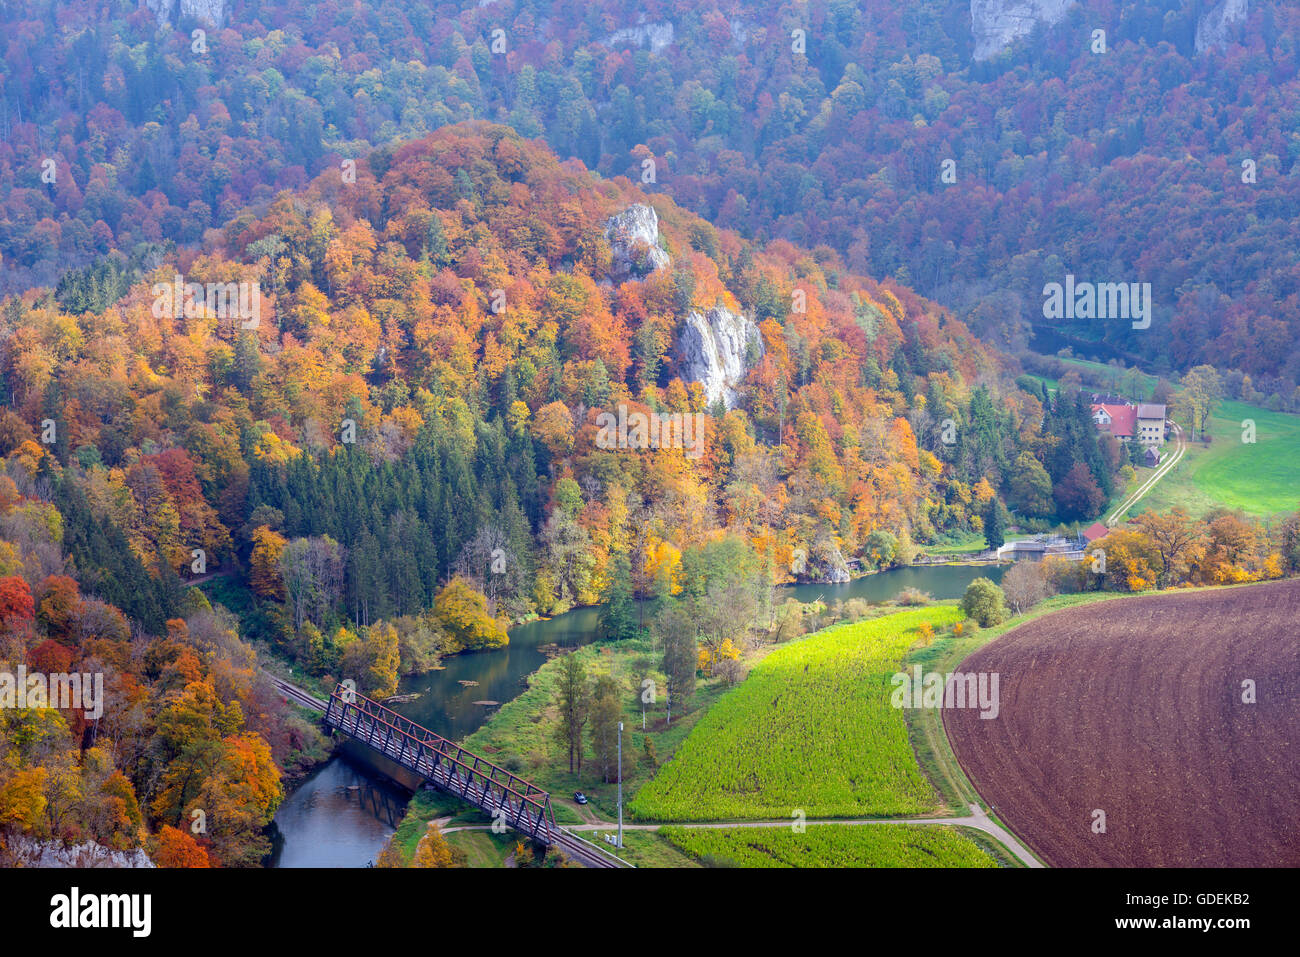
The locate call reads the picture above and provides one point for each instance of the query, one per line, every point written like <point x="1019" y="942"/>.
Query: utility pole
<point x="620" y="785"/>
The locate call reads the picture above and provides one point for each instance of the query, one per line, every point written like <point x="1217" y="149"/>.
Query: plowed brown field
<point x="1134" y="707"/>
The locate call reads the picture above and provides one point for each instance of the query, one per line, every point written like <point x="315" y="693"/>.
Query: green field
<point x="1262" y="478"/>
<point x="961" y="544"/>
<point x="483" y="848"/>
<point x="811" y="729"/>
<point x="832" y="845"/>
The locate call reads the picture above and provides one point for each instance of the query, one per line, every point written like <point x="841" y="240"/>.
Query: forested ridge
<point x="1126" y="166"/>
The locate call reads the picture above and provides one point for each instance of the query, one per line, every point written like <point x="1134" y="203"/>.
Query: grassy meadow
<point x="1260" y="478"/>
<point x="811" y="729"/>
<point x="833" y="845"/>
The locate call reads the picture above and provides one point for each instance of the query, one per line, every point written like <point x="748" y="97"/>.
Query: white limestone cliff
<point x="23" y="851"/>
<point x="212" y="12"/>
<point x="712" y="348"/>
<point x="1216" y="27"/>
<point x="996" y="24"/>
<point x="656" y="36"/>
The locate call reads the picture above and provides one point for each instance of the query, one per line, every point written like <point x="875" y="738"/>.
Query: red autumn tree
<point x="50" y="657"/>
<point x="16" y="603"/>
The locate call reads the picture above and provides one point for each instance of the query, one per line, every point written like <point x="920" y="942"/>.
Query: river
<point x="342" y="814"/>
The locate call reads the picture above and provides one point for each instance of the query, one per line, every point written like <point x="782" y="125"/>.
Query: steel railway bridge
<point x="508" y="798"/>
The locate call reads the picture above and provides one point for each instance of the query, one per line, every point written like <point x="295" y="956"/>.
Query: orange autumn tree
<point x="174" y="848"/>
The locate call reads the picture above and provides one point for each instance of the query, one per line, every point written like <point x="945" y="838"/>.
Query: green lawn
<point x="521" y="735"/>
<point x="1261" y="479"/>
<point x="483" y="848"/>
<point x="832" y="845"/>
<point x="811" y="729"/>
<point x="964" y="544"/>
<point x="649" y="849"/>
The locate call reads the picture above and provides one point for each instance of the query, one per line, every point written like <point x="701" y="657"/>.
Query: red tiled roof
<point x="1095" y="531"/>
<point x="1123" y="418"/>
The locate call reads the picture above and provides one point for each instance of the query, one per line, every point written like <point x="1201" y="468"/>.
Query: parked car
<point x="580" y="797"/>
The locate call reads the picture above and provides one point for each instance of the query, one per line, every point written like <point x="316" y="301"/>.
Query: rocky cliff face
<point x="712" y="348"/>
<point x="1217" y="26"/>
<point x="996" y="24"/>
<point x="209" y="11"/>
<point x="634" y="241"/>
<point x="654" y="35"/>
<point x="23" y="851"/>
<point x="827" y="564"/>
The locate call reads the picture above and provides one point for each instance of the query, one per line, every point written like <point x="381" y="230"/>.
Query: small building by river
<point x="1037" y="548"/>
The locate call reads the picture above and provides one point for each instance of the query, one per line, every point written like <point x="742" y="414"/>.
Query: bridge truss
<point x="506" y="797"/>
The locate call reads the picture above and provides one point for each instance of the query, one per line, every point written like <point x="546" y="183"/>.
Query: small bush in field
<point x="913" y="596"/>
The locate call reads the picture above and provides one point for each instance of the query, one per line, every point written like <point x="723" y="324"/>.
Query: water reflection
<point x="339" y="817"/>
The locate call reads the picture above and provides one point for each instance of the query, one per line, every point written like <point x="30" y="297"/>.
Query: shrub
<point x="913" y="596"/>
<point x="984" y="602"/>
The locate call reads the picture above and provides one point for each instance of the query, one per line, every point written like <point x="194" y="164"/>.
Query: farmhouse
<point x="1145" y="422"/>
<point x="1095" y="531"/>
<point x="1119" y="420"/>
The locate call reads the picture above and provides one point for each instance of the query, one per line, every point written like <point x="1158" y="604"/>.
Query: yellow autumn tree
<point x="433" y="850"/>
<point x="663" y="562"/>
<point x="382" y="654"/>
<point x="264" y="575"/>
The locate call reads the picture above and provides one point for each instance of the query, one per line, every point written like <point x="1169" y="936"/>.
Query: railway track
<point x="297" y="695"/>
<point x="583" y="851"/>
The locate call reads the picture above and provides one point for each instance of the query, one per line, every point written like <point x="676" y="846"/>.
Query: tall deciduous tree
<point x="573" y="700"/>
<point x="606" y="712"/>
<point x="312" y="569"/>
<point x="619" y="615"/>
<point x="1172" y="534"/>
<point x="1202" y="389"/>
<point x="675" y="628"/>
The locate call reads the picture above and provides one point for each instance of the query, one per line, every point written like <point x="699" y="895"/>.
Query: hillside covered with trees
<point x="403" y="453"/>
<point x="872" y="131"/>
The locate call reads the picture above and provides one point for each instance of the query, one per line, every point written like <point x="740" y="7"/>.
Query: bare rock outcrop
<point x="212" y="12"/>
<point x="634" y="241"/>
<point x="656" y="36"/>
<point x="996" y="24"/>
<point x="1217" y="27"/>
<point x="22" y="851"/>
<point x="716" y="348"/>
